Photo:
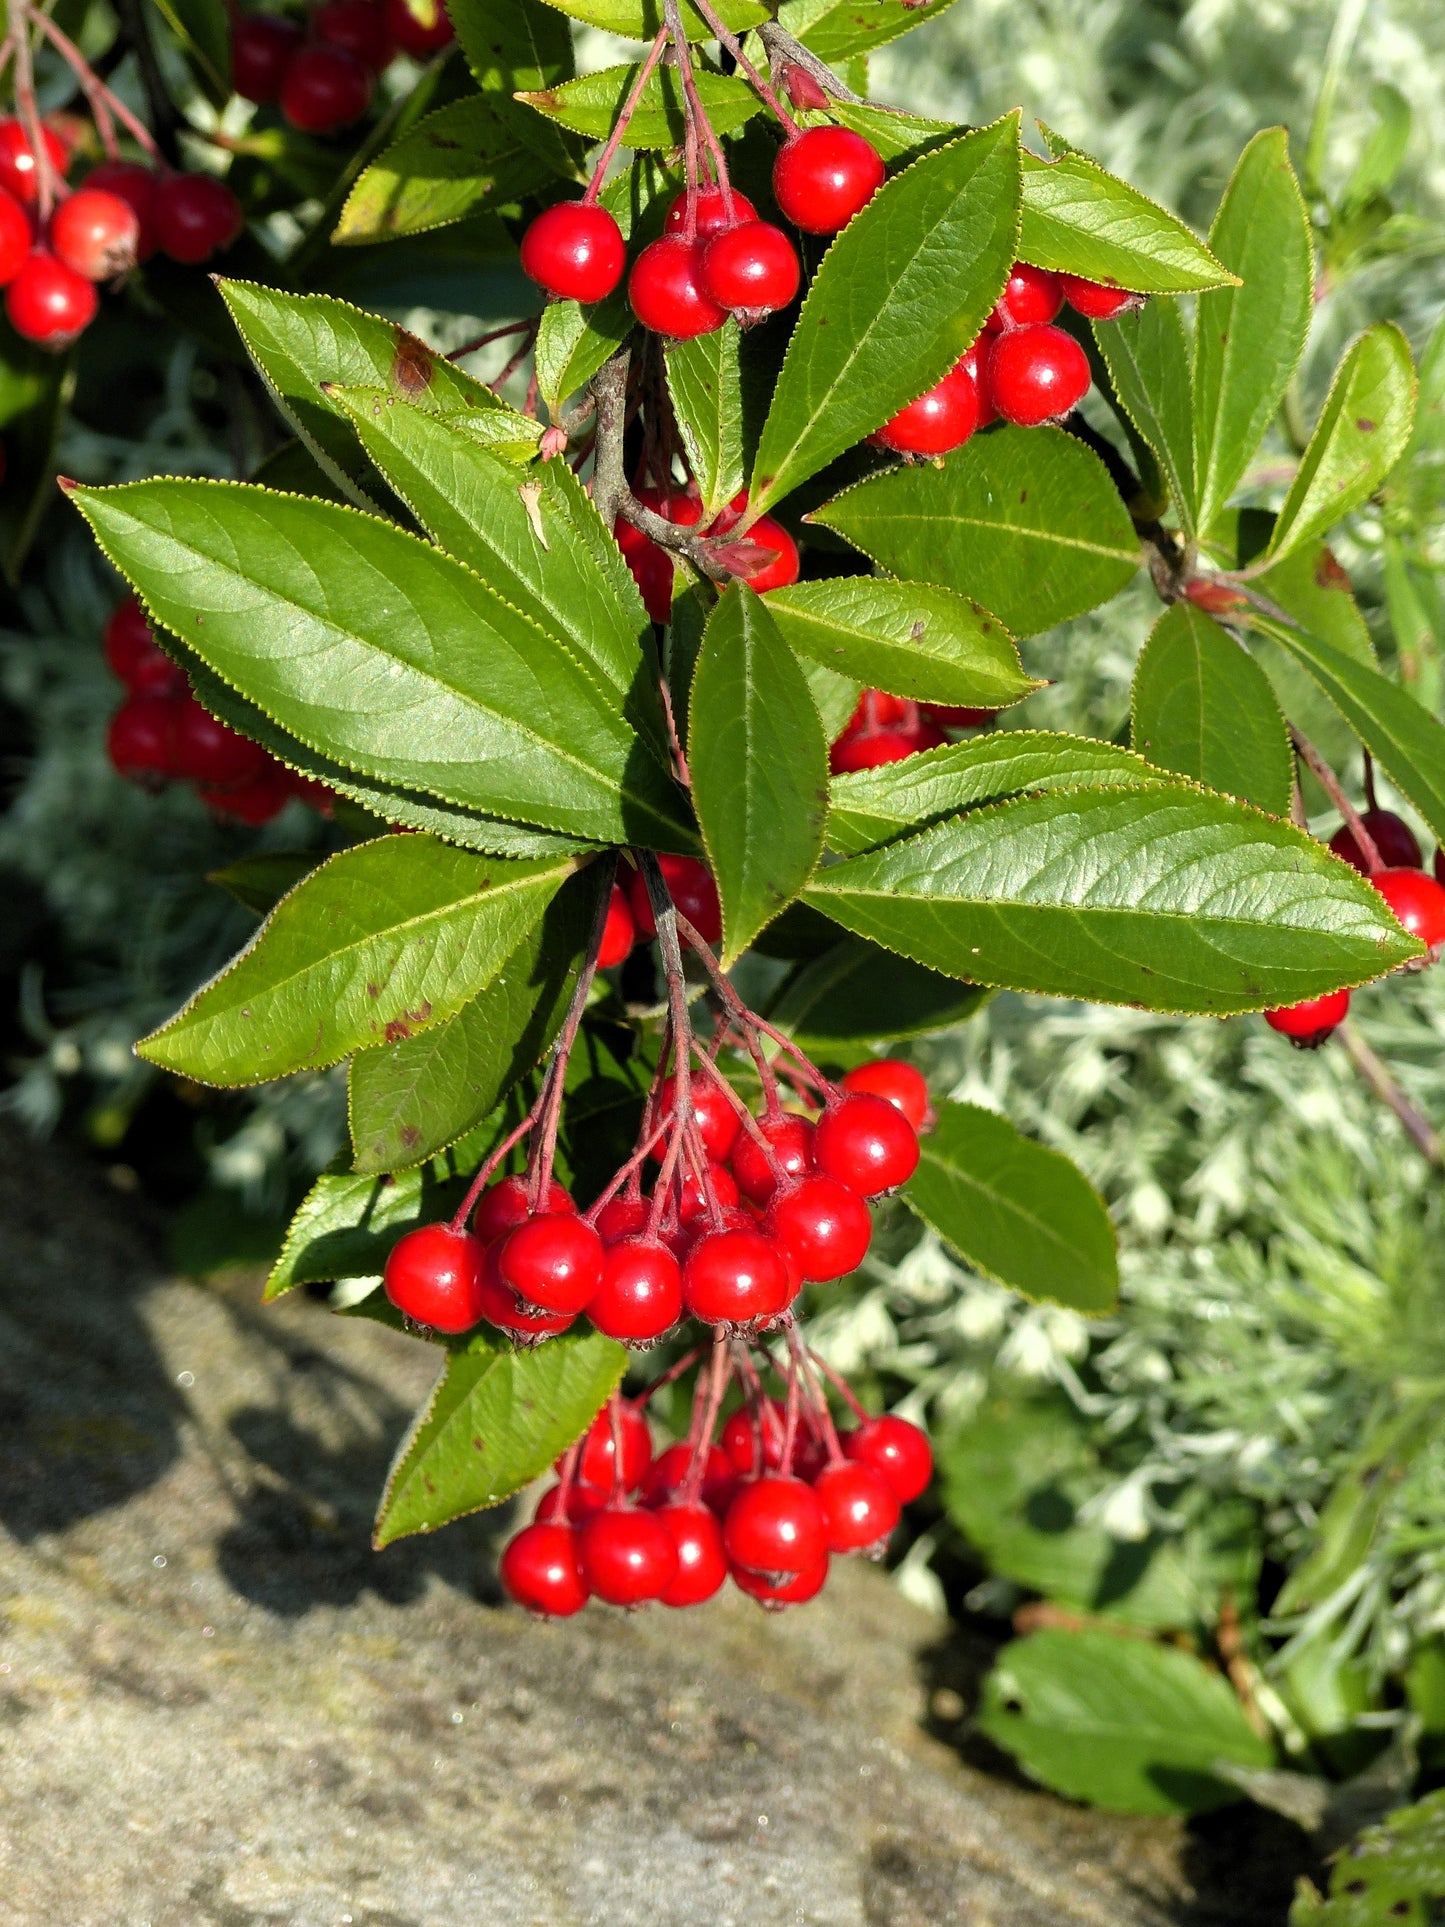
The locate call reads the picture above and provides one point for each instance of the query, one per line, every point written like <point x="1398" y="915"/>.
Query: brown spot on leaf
<point x="400" y="1028"/>
<point x="1023" y="496"/>
<point x="1365" y="425"/>
<point x="1328" y="573"/>
<point x="411" y="367"/>
<point x="410" y="1135"/>
<point x="373" y="990"/>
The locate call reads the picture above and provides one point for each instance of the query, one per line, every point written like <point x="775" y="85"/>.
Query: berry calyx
<point x="752" y="269"/>
<point x="207" y="751"/>
<point x="503" y="1206"/>
<point x="598" y="1457"/>
<point x="195" y="217"/>
<point x="325" y="88"/>
<point x="134" y="654"/>
<point x="1037" y="375"/>
<point x="1307" y="1025"/>
<point x="667" y="293"/>
<point x="262" y="48"/>
<point x="824" y="176"/>
<point x="95" y="233"/>
<point x="774" y="1594"/>
<point x="140" y="740"/>
<point x="766" y="533"/>
<point x="434" y="1276"/>
<point x="640" y="1295"/>
<point x="716" y="1117"/>
<point x="420" y="28"/>
<point x="541" y="1571"/>
<point x="942" y="418"/>
<point x="1418" y="902"/>
<point x="358" y="26"/>
<point x="1391" y="835"/>
<point x="860" y="1508"/>
<point x="1031" y="296"/>
<point x="775" y="1525"/>
<point x="574" y="250"/>
<point x="553" y="1261"/>
<point x="702" y="1563"/>
<point x="897" y="1083"/>
<point x="49" y="303"/>
<point x="19" y="170"/>
<point x="14" y="237"/>
<point x="866" y="1144"/>
<point x="897" y="1449"/>
<point x="1097" y="299"/>
<point x="791" y="1139"/>
<point x="691" y="887"/>
<point x="826" y="1226"/>
<point x="712" y="216"/>
<point x="619" y="932"/>
<point x="734" y="1277"/>
<point x="626" y="1556"/>
<point x="136" y="186"/>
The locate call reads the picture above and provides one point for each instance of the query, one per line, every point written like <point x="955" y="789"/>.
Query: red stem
<point x="629" y="108"/>
<point x="749" y="71"/>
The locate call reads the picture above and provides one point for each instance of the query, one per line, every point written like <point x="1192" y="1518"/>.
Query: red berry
<point x="626" y="1556"/>
<point x="540" y="1570"/>
<point x="574" y="250"/>
<point x="942" y="418"/>
<point x="360" y="26"/>
<point x="136" y="186"/>
<point x="1440" y="864"/>
<point x="702" y="1565"/>
<point x="792" y="1141"/>
<point x="752" y="267"/>
<point x="208" y="752"/>
<point x="1418" y="902"/>
<point x="262" y="46"/>
<point x="768" y="1423"/>
<point x="619" y="932"/>
<point x="325" y="88"/>
<point x="871" y="749"/>
<point x="1310" y="1023"/>
<point x="775" y="1525"/>
<point x="134" y="654"/>
<point x="785" y="568"/>
<point x="667" y="293"/>
<point x="95" y="233"/>
<point x="715" y="1115"/>
<point x="254" y="802"/>
<point x="420" y="29"/>
<point x="623" y="1216"/>
<point x="824" y="176"/>
<point x="860" y="1508"/>
<point x="867" y="1144"/>
<point x="640" y="1296"/>
<point x="897" y="1449"/>
<point x="975" y="366"/>
<point x="712" y="213"/>
<point x="876" y="710"/>
<point x="503" y="1206"/>
<point x="552" y="1261"/>
<point x="1392" y="837"/>
<point x="651" y="565"/>
<point x="1030" y="296"/>
<point x="734" y="1278"/>
<point x="50" y="303"/>
<point x="18" y="170"/>
<point x="502" y="1307"/>
<point x="140" y="741"/>
<point x="598" y="1456"/>
<point x="1037" y="375"/>
<point x="958" y="715"/>
<point x="577" y="1503"/>
<point x="434" y="1275"/>
<point x="795" y="1590"/>
<point x="691" y="887"/>
<point x="14" y="237"/>
<point x="896" y="1082"/>
<point x="826" y="1226"/>
<point x="1096" y="300"/>
<point x="667" y="1475"/>
<point x="196" y="216"/>
<point x="693" y="1206"/>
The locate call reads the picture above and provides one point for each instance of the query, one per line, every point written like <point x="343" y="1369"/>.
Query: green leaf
<point x="873" y="806"/>
<point x="410" y="1099"/>
<point x="346" y="1225"/>
<point x="1015" y="1210"/>
<point x="512" y="43"/>
<point x="203" y="29"/>
<point x="759" y="764"/>
<point x="259" y="882"/>
<point x="1248" y="340"/>
<point x="1147" y="356"/>
<point x="466" y="156"/>
<point x="1174" y="900"/>
<point x="835" y="697"/>
<point x="1121" y="1723"/>
<point x="898" y="297"/>
<point x="590" y="105"/>
<point x="1203" y="707"/>
<point x="378" y="650"/>
<point x="1078" y="219"/>
<point x="640" y="19"/>
<point x="1390" y="1875"/>
<point x="839" y="30"/>
<point x="909" y="638"/>
<point x="380" y="942"/>
<point x="1360" y="435"/>
<point x="495" y="1421"/>
<point x="704" y="379"/>
<point x="36" y="388"/>
<point x="858" y="993"/>
<point x="1402" y="736"/>
<point x="302" y="343"/>
<point x="1025" y="519"/>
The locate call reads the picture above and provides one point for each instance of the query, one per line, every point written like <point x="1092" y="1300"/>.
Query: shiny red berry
<point x="359" y="26"/>
<point x="136" y="186"/>
<point x="791" y="1139"/>
<point x="898" y="1083"/>
<point x="871" y="749"/>
<point x="140" y="741"/>
<point x="975" y="367"/>
<point x="691" y="887"/>
<point x="826" y="1226"/>
<point x="14" y="237"/>
<point x="95" y="233"/>
<point x="734" y="1278"/>
<point x="754" y="1434"/>
<point x="262" y="48"/>
<point x="134" y="654"/>
<point x="695" y="1208"/>
<point x="540" y="1570"/>
<point x="775" y="1525"/>
<point x="552" y="1261"/>
<point x="667" y="1476"/>
<point x="206" y="751"/>
<point x="786" y="565"/>
<point x="1037" y="375"/>
<point x="713" y="1112"/>
<point x="325" y="88"/>
<point x="577" y="1503"/>
<point x="619" y="932"/>
<point x="1310" y="1023"/>
<point x="18" y="169"/>
<point x="651" y="565"/>
<point x="1392" y="837"/>
<point x="667" y="292"/>
<point x="640" y="1296"/>
<point x="626" y="1556"/>
<point x="860" y="1507"/>
<point x="752" y="267"/>
<point x="958" y="715"/>
<point x="421" y="28"/>
<point x="623" y="1216"/>
<point x="434" y="1274"/>
<point x="1096" y="300"/>
<point x="712" y="215"/>
<point x="196" y="216"/>
<point x="702" y="1564"/>
<point x="503" y="1308"/>
<point x="598" y="1456"/>
<point x="897" y="1449"/>
<point x="1418" y="902"/>
<point x="867" y="1144"/>
<point x="824" y="176"/>
<point x="774" y="1594"/>
<point x="1030" y="296"/>
<point x="256" y="801"/>
<point x="876" y="710"/>
<point x="942" y="418"/>
<point x="503" y="1206"/>
<point x="574" y="250"/>
<point x="49" y="303"/>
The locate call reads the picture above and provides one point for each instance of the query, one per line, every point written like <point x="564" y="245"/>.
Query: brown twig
<point x="1375" y="1074"/>
<point x="782" y="48"/>
<point x="1330" y="783"/>
<point x="103" y="103"/>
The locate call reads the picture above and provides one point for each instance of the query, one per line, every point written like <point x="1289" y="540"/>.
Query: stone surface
<point x="218" y="1708"/>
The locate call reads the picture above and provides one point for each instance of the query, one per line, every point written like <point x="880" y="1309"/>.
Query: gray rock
<point x="218" y="1708"/>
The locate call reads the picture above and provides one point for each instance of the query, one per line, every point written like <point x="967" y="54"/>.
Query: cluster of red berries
<point x="885" y="729"/>
<point x="122" y="213"/>
<point x="766" y="559"/>
<point x="1417" y="900"/>
<point x="161" y="733"/>
<point x="769" y="1504"/>
<point x="323" y="77"/>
